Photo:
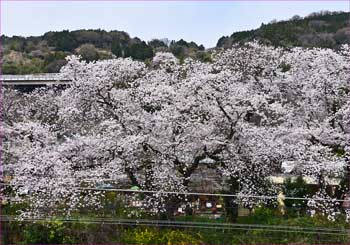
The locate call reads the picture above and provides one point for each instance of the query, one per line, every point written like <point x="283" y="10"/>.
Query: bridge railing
<point x="32" y="77"/>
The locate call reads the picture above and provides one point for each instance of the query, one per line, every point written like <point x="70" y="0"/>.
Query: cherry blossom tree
<point x="304" y="91"/>
<point x="243" y="114"/>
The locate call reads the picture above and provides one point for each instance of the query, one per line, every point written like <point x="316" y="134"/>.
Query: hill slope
<point x="324" y="29"/>
<point x="46" y="53"/>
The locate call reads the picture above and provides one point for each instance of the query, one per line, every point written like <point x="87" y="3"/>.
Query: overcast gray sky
<point x="201" y="21"/>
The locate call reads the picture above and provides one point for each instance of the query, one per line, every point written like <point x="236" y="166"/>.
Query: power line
<point x="242" y="196"/>
<point x="103" y="219"/>
<point x="200" y="225"/>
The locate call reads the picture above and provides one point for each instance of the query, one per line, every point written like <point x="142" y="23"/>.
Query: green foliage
<point x="52" y="48"/>
<point x="316" y="30"/>
<point x="342" y="188"/>
<point x="182" y="49"/>
<point x="285" y="67"/>
<point x="241" y="35"/>
<point x="16" y="45"/>
<point x="204" y="57"/>
<point x="181" y="237"/>
<point x="139" y="51"/>
<point x="34" y="66"/>
<point x="160" y="236"/>
<point x="54" y="61"/>
<point x="46" y="233"/>
<point x="296" y="188"/>
<point x="141" y="236"/>
<point x="62" y="41"/>
<point x="54" y="56"/>
<point x="223" y="41"/>
<point x="12" y="208"/>
<point x="177" y="50"/>
<point x="155" y="43"/>
<point x="117" y="49"/>
<point x="339" y="151"/>
<point x="56" y="232"/>
<point x="10" y="68"/>
<point x="260" y="215"/>
<point x="55" y="66"/>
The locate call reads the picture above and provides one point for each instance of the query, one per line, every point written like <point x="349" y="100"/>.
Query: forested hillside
<point x="323" y="29"/>
<point x="23" y="55"/>
<point x="47" y="53"/>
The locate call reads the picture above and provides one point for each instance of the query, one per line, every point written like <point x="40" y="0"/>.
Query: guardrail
<point x="33" y="79"/>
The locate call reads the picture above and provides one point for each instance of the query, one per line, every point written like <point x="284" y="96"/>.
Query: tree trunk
<point x="231" y="204"/>
<point x="171" y="206"/>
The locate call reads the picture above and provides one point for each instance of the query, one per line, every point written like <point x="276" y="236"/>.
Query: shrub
<point x="52" y="232"/>
<point x="296" y="188"/>
<point x="180" y="237"/>
<point x="160" y="236"/>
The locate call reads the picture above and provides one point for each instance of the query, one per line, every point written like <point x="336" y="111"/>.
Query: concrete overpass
<point x="33" y="80"/>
